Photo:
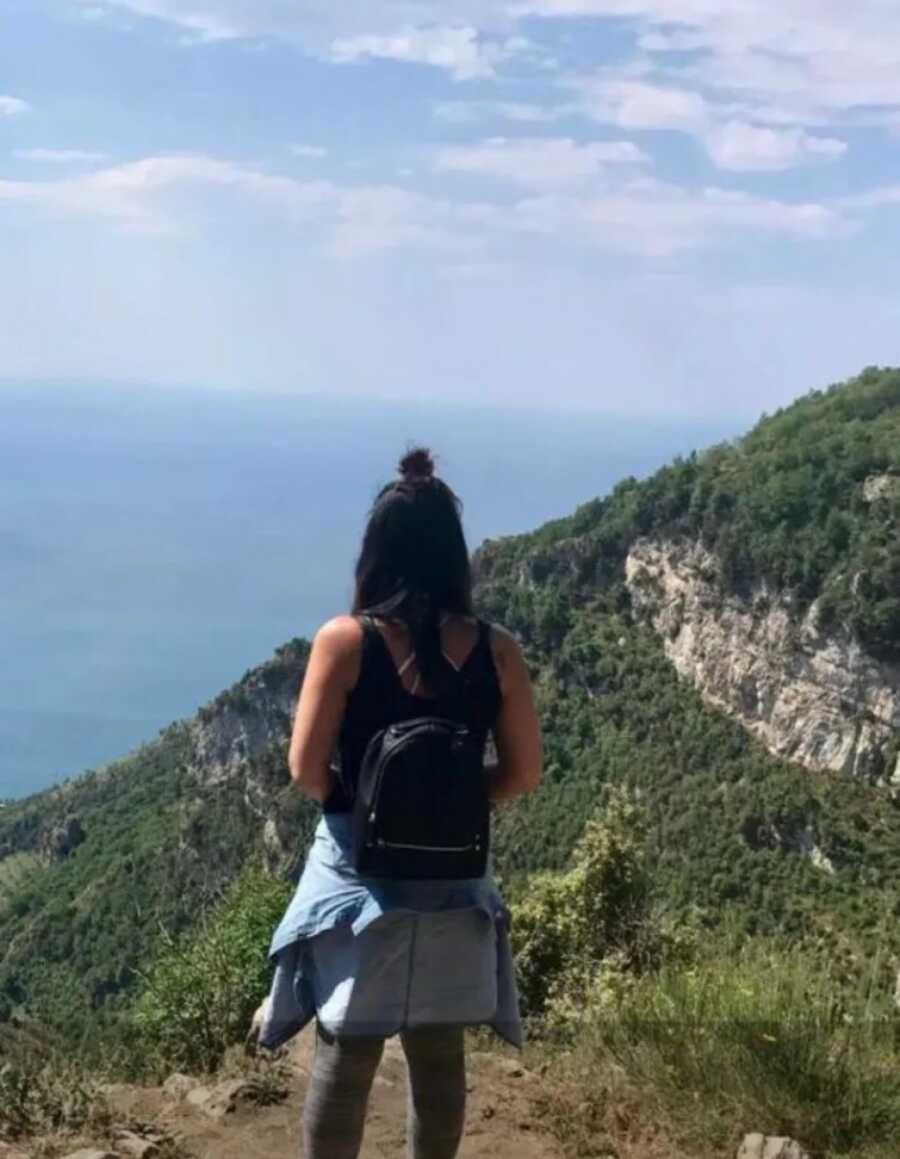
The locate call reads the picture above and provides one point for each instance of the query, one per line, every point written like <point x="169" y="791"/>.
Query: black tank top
<point x="379" y="699"/>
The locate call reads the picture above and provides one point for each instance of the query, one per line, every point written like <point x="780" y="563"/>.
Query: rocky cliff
<point x="812" y="697"/>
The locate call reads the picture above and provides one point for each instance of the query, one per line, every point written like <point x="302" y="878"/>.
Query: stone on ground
<point x="758" y="1146"/>
<point x="91" y="1153"/>
<point x="129" y="1143"/>
<point x="179" y="1086"/>
<point x="220" y="1100"/>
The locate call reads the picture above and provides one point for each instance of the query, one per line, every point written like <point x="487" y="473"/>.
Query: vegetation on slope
<point x="200" y="994"/>
<point x="161" y="846"/>
<point x="724" y="1035"/>
<point x="785" y="504"/>
<point x="729" y="827"/>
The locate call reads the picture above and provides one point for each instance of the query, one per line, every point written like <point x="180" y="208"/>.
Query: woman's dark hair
<point x="414" y="563"/>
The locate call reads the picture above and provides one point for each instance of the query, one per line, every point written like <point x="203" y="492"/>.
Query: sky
<point x="646" y="206"/>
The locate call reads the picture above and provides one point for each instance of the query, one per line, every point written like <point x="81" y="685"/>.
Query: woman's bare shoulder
<point x="505" y="646"/>
<point x="341" y="634"/>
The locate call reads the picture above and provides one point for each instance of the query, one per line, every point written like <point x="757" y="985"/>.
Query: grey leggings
<point x="343" y="1072"/>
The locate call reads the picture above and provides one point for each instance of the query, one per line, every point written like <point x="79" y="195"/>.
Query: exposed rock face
<point x="763" y="834"/>
<point x="237" y="744"/>
<point x="881" y="487"/>
<point x="810" y="697"/>
<point x="278" y="845"/>
<point x="249" y="718"/>
<point x="62" y="840"/>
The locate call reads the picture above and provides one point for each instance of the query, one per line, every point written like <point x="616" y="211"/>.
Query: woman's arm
<point x="331" y="672"/>
<point x="517" y="733"/>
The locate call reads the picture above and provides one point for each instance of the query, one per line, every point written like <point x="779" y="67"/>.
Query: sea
<point x="155" y="543"/>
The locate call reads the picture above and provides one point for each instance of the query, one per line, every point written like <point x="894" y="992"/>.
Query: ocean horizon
<point x="156" y="543"/>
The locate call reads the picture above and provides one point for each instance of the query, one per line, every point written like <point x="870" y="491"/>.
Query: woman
<point x="373" y="957"/>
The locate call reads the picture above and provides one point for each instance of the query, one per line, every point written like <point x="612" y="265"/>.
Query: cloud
<point x="312" y="151"/>
<point x="210" y="21"/>
<point x="639" y="104"/>
<point x="153" y="196"/>
<point x="528" y="113"/>
<point x="742" y="147"/>
<point x="459" y="51"/>
<point x="376" y="218"/>
<point x="468" y="112"/>
<point x="731" y="143"/>
<point x="539" y="162"/>
<point x="656" y="219"/>
<point x="314" y="23"/>
<point x="789" y="63"/>
<point x="578" y="194"/>
<point x="59" y="156"/>
<point x="799" y="61"/>
<point x="12" y="106"/>
<point x="884" y="195"/>
<point x="133" y="196"/>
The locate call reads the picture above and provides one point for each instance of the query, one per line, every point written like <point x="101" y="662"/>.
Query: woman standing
<point x="375" y="954"/>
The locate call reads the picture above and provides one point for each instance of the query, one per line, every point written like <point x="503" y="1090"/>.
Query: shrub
<point x="572" y="929"/>
<point x="42" y="1092"/>
<point x="199" y="997"/>
<point x="751" y="1037"/>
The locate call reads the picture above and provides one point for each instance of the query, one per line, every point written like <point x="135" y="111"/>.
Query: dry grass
<point x="744" y="1040"/>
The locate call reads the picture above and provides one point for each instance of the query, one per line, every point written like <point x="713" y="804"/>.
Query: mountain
<point x="722" y="637"/>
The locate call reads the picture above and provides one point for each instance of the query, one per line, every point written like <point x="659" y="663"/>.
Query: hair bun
<point x="417" y="464"/>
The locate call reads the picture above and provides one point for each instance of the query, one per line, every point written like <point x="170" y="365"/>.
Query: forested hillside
<point x="787" y="507"/>
<point x="802" y="513"/>
<point x="154" y="840"/>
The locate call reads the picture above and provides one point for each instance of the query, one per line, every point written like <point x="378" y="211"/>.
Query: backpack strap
<point x="451" y="700"/>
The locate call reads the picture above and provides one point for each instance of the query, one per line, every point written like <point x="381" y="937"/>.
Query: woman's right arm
<point x="331" y="671"/>
<point x="517" y="732"/>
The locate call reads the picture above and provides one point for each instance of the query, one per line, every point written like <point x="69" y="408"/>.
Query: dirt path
<point x="500" y="1124"/>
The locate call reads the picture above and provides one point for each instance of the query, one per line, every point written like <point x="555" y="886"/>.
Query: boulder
<point x="877" y="487"/>
<point x="758" y="1146"/>
<point x="91" y="1153"/>
<point x="198" y="1096"/>
<point x="179" y="1086"/>
<point x="222" y="1099"/>
<point x="129" y="1143"/>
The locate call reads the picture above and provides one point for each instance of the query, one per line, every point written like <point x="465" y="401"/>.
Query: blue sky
<point x="639" y="206"/>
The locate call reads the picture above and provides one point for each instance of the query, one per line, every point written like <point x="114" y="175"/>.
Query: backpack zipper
<point x="382" y="844"/>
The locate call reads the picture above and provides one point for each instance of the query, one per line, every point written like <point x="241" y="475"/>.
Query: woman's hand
<point x="331" y="672"/>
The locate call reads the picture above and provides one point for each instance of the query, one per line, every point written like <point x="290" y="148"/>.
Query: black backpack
<point x="421" y="808"/>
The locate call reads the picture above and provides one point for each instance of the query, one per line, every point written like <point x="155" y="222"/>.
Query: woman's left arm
<point x="331" y="672"/>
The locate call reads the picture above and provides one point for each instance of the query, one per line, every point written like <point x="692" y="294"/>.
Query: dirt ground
<point x="500" y="1123"/>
